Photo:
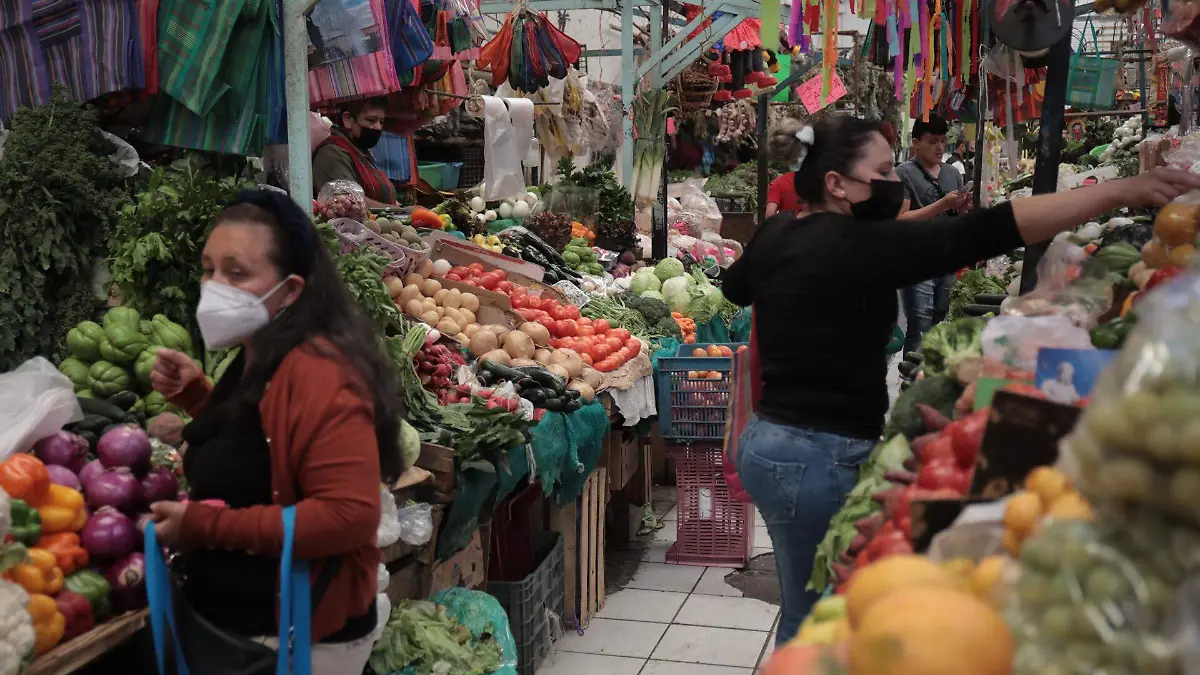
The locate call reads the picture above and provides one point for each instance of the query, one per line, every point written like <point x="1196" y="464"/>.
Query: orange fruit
<point x="875" y="581"/>
<point x="1012" y="543"/>
<point x="808" y="659"/>
<point x="1047" y="483"/>
<point x="1071" y="506"/>
<point x="698" y="353"/>
<point x="1176" y="223"/>
<point x="1154" y="254"/>
<point x="1023" y="513"/>
<point x="1181" y="255"/>
<point x="931" y="631"/>
<point x="987" y="576"/>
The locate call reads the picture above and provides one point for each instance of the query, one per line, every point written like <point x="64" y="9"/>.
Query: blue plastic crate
<point x="450" y="175"/>
<point x="693" y="408"/>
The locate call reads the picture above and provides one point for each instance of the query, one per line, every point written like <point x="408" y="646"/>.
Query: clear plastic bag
<point x="1137" y="446"/>
<point x="36" y="401"/>
<point x="1090" y="599"/>
<point x="1014" y="341"/>
<point x="416" y="524"/>
<point x="389" y="522"/>
<point x="342" y="199"/>
<point x="1069" y="285"/>
<point x="688" y="201"/>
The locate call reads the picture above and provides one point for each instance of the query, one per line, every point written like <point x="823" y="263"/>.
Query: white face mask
<point x="228" y="315"/>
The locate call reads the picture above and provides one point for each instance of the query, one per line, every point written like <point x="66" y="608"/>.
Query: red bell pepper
<point x="967" y="435"/>
<point x="1162" y="276"/>
<point x="77" y="611"/>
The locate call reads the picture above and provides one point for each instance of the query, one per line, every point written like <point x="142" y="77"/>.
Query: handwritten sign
<point x="810" y="92"/>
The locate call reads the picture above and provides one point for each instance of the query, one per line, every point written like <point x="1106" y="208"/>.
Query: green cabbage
<point x="675" y="286"/>
<point x="653" y="294"/>
<point x="644" y="281"/>
<point x="669" y="268"/>
<point x="706" y="303"/>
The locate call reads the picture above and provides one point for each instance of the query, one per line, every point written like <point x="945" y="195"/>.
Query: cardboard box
<point x="461" y="253"/>
<point x="465" y="568"/>
<point x="494" y="308"/>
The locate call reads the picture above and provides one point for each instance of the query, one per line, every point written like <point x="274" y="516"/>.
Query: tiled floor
<point x="672" y="620"/>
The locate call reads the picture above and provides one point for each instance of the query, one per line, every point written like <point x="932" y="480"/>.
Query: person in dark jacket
<point x="823" y="288"/>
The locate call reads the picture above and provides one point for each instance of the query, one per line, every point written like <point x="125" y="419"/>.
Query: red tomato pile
<point x="599" y="345"/>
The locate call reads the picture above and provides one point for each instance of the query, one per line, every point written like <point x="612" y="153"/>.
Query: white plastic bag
<point x="389" y="524"/>
<point x="383" y="610"/>
<point x="1016" y="340"/>
<point x="35" y="401"/>
<point x="416" y="524"/>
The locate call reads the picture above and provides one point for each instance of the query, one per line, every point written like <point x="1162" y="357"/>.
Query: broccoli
<point x="669" y="327"/>
<point x="950" y="343"/>
<point x="652" y="310"/>
<point x="939" y="391"/>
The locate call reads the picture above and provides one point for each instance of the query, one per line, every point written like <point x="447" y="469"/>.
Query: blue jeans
<point x="798" y="479"/>
<point x="925" y="305"/>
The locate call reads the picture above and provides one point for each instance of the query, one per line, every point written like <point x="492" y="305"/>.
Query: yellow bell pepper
<point x="49" y="624"/>
<point x="40" y="574"/>
<point x="62" y="510"/>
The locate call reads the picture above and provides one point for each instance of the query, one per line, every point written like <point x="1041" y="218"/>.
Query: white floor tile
<point x="714" y="646"/>
<point x="673" y="668"/>
<point x="614" y="638"/>
<point x="761" y="538"/>
<point x="727" y="612"/>
<point x="635" y="604"/>
<point x="713" y="583"/>
<point x="667" y="533"/>
<point x="663" y="577"/>
<point x="656" y="552"/>
<point x="757" y="551"/>
<point x="569" y="663"/>
<point x="672" y="515"/>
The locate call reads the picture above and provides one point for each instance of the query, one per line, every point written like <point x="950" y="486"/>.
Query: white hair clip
<point x="806" y="138"/>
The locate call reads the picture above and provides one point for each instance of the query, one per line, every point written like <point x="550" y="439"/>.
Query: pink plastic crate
<point x="711" y="528"/>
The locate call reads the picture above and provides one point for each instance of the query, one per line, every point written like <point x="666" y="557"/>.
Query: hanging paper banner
<point x="810" y="92"/>
<point x="769" y="30"/>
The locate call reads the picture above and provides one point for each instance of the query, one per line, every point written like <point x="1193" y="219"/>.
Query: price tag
<point x="573" y="293"/>
<point x="1022" y="434"/>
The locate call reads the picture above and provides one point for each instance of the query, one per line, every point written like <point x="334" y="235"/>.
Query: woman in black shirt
<point x="824" y="293"/>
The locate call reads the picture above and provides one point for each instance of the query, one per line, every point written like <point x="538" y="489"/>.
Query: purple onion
<point x="61" y="475"/>
<point x="125" y="446"/>
<point x="89" y="470"/>
<point x="116" y="488"/>
<point x="127" y="577"/>
<point x="159" y="485"/>
<point x="62" y="449"/>
<point x="108" y="535"/>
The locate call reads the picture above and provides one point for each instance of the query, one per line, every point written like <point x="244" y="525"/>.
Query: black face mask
<point x="368" y="138"/>
<point x="885" y="202"/>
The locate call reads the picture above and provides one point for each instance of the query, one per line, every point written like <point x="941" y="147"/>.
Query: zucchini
<point x="503" y="372"/>
<point x="980" y="310"/>
<point x="125" y="400"/>
<point x="907" y="369"/>
<point x="92" y="424"/>
<point x="914" y="357"/>
<point x="95" y="406"/>
<point x="536" y="395"/>
<point x="545" y="378"/>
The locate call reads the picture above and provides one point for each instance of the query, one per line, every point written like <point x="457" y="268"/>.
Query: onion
<point x="62" y="449"/>
<point x="159" y="485"/>
<point x="128" y="579"/>
<point x="61" y="475"/>
<point x="90" y="470"/>
<point x="117" y="488"/>
<point x="126" y="445"/>
<point x="108" y="534"/>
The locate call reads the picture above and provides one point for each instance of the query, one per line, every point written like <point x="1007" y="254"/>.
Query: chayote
<point x="76" y="371"/>
<point x="84" y="341"/>
<point x="145" y="365"/>
<point x="124" y="344"/>
<point x="127" y="316"/>
<point x="170" y="334"/>
<point x="108" y="378"/>
<point x="156" y="404"/>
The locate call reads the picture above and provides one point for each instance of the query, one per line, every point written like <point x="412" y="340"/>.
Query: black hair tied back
<point x="291" y="219"/>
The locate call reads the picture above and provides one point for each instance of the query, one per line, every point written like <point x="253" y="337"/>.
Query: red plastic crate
<point x="712" y="528"/>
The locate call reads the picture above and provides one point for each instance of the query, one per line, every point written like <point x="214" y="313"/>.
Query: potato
<point x="470" y="301"/>
<point x="498" y="356"/>
<point x="456" y="316"/>
<point x="453" y="298"/>
<point x="414" y="308"/>
<point x="448" y="327"/>
<point x="430" y="318"/>
<point x="470" y="330"/>
<point x="410" y="293"/>
<point x="468" y="315"/>
<point x="394" y="286"/>
<point x="440" y="297"/>
<point x="412" y="278"/>
<point x="430" y="287"/>
<point x="559" y="371"/>
<point x="426" y="269"/>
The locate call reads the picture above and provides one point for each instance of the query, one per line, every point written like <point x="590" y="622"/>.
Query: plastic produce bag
<point x="1069" y="284"/>
<point x="36" y="401"/>
<point x="688" y="201"/>
<point x="124" y="155"/>
<point x="416" y="524"/>
<point x="1097" y="599"/>
<point x="482" y="614"/>
<point x="382" y="579"/>
<point x="1015" y="340"/>
<point x="342" y="199"/>
<point x="1137" y="446"/>
<point x="389" y="521"/>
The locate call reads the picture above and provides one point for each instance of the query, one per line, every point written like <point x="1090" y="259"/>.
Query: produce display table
<point x="69" y="657"/>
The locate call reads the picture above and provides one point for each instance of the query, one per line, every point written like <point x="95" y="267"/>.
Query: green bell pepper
<point x="26" y="522"/>
<point x="95" y="588"/>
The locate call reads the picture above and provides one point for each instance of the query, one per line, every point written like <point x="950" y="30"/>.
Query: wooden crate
<point x="581" y="525"/>
<point x="621" y="456"/>
<point x="414" y="577"/>
<point x="69" y="657"/>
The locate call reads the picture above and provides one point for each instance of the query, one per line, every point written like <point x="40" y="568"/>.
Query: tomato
<point x="623" y="354"/>
<point x="572" y="311"/>
<point x="583" y="321"/>
<point x="743" y="348"/>
<point x="600" y="351"/>
<point x="940" y="448"/>
<point x="585" y="329"/>
<point x="566" y="327"/>
<point x="454" y="277"/>
<point x="613" y="341"/>
<point x="586" y="358"/>
<point x="502" y="273"/>
<point x="476" y="268"/>
<point x="602" y="326"/>
<point x="505" y="286"/>
<point x="634" y="346"/>
<point x="560" y="313"/>
<point x="940" y="474"/>
<point x="567" y="343"/>
<point x="621" y="333"/>
<point x="607" y="365"/>
<point x="550" y="325"/>
<point x="714" y="350"/>
<point x="726" y="351"/>
<point x="460" y="271"/>
<point x="525" y="313"/>
<point x="584" y="344"/>
<point x="471" y="282"/>
<point x="519" y="290"/>
<point x="532" y="301"/>
<point x="490" y="280"/>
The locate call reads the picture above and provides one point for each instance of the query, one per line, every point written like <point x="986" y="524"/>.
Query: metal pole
<point x="295" y="72"/>
<point x="761" y="214"/>
<point x="981" y="125"/>
<point x="1045" y="168"/>
<point x="627" y="94"/>
<point x="659" y="34"/>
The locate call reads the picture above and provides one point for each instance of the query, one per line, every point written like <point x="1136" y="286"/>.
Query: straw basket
<point x="695" y="89"/>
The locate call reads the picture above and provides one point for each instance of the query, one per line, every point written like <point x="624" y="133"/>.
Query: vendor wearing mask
<point x="346" y="154"/>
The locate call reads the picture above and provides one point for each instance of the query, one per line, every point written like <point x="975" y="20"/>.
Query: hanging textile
<point x="410" y="41"/>
<point x="350" y="52"/>
<point x="527" y="51"/>
<point x="58" y="27"/>
<point x="23" y="78"/>
<point x="396" y="156"/>
<point x="147" y="12"/>
<point x="112" y="45"/>
<point x="193" y="41"/>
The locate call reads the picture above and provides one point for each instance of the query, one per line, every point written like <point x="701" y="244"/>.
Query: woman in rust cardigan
<point x="306" y="415"/>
